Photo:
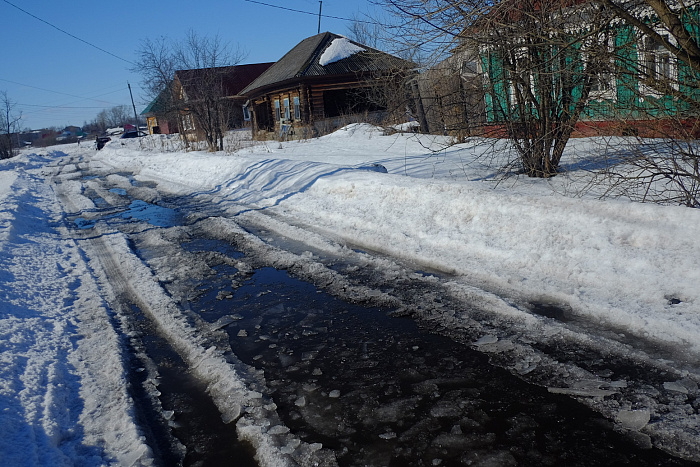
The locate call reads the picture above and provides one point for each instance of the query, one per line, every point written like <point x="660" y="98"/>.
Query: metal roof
<point x="159" y="104"/>
<point x="303" y="61"/>
<point x="233" y="78"/>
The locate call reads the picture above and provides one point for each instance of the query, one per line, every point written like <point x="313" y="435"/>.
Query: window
<point x="599" y="56"/>
<point x="658" y="67"/>
<point x="469" y="68"/>
<point x="522" y="79"/>
<point x="246" y="113"/>
<point x="602" y="83"/>
<point x="187" y="122"/>
<point x="278" y="115"/>
<point x="297" y="108"/>
<point x="658" y="63"/>
<point x="657" y="59"/>
<point x="286" y="109"/>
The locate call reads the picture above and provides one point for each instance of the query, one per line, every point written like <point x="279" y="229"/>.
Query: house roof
<point x="303" y="62"/>
<point x="233" y="78"/>
<point x="159" y="104"/>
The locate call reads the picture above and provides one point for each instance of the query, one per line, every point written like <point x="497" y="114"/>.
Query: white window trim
<point x="287" y="116"/>
<point x="608" y="79"/>
<point x="187" y="122"/>
<point x="297" y="108"/>
<point x="521" y="53"/>
<point x="642" y="54"/>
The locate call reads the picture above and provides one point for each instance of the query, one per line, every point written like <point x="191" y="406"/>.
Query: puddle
<point x="137" y="211"/>
<point x="100" y="203"/>
<point x="151" y="213"/>
<point x="379" y="391"/>
<point x="191" y="415"/>
<point x="84" y="223"/>
<point x="205" y="244"/>
<point x="550" y="310"/>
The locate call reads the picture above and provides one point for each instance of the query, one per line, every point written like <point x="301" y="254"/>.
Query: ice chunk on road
<point x="633" y="420"/>
<point x="278" y="430"/>
<point x="675" y="386"/>
<point x="487" y="339"/>
<point x="585" y="388"/>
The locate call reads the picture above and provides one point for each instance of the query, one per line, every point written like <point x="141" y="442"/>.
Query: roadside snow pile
<point x="629" y="266"/>
<point x="339" y="49"/>
<point x="63" y="394"/>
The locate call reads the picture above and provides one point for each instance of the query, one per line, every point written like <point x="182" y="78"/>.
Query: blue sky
<point x="58" y="80"/>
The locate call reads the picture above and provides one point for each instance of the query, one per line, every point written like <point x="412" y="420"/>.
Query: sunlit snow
<point x="339" y="49"/>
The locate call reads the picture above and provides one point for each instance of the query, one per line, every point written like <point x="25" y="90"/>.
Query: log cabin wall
<point x="313" y="116"/>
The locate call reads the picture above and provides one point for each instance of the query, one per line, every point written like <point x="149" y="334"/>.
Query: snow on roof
<point x="339" y="49"/>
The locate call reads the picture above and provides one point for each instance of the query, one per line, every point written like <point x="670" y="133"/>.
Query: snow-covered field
<point x="628" y="267"/>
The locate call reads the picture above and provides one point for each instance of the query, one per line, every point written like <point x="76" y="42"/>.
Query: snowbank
<point x="626" y="265"/>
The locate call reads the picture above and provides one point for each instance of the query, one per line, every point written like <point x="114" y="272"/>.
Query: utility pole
<point x="320" y="5"/>
<point x="134" y="106"/>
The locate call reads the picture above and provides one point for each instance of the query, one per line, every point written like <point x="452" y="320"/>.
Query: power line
<point x="40" y="89"/>
<point x="59" y="106"/>
<point x="69" y="34"/>
<point x="66" y="106"/>
<point x="309" y="12"/>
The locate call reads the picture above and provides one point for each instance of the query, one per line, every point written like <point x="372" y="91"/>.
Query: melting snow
<point x="613" y="262"/>
<point x="339" y="49"/>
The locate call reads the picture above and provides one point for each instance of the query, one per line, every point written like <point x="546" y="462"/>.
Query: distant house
<point x="70" y="133"/>
<point x="161" y="117"/>
<point x="199" y="93"/>
<point x="322" y="78"/>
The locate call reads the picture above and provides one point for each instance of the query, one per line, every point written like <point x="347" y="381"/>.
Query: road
<point x="321" y="355"/>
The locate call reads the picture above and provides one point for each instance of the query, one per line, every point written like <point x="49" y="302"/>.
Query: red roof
<point x="233" y="78"/>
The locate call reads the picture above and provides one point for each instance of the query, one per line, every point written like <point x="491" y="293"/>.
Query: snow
<point x="613" y="261"/>
<point x="338" y="49"/>
<point x="63" y="398"/>
<point x="621" y="265"/>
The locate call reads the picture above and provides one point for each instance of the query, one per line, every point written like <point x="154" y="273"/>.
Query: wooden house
<point x="640" y="87"/>
<point x="318" y="82"/>
<point x="212" y="93"/>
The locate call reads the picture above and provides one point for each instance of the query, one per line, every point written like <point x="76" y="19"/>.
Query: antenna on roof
<point x="320" y="5"/>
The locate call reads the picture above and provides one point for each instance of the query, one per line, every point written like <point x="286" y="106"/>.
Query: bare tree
<point x="540" y="61"/>
<point x="9" y="126"/>
<point x="156" y="63"/>
<point x="543" y="68"/>
<point x="118" y="115"/>
<point x="189" y="76"/>
<point x="113" y="117"/>
<point x="203" y="75"/>
<point x="370" y="33"/>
